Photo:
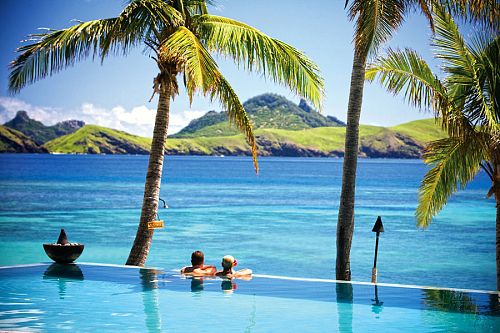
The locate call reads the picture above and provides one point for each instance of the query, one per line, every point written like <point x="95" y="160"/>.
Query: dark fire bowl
<point x="63" y="253"/>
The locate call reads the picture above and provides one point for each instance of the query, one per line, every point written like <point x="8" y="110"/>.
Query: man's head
<point x="197" y="258"/>
<point x="228" y="262"/>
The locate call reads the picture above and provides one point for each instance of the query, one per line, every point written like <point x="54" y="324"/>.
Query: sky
<point x="116" y="93"/>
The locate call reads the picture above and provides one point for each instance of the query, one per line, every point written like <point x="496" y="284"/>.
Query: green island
<point x="281" y="127"/>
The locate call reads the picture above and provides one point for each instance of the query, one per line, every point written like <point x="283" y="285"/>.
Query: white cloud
<point x="180" y="120"/>
<point x="9" y="107"/>
<point x="140" y="120"/>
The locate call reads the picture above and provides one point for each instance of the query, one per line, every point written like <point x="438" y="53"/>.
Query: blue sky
<point x="116" y="94"/>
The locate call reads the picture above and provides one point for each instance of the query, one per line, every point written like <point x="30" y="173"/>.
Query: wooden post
<point x="374" y="270"/>
<point x="378" y="228"/>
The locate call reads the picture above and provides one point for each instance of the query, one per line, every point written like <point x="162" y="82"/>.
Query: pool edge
<point x="280" y="277"/>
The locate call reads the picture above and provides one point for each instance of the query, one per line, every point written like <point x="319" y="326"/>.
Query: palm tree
<point x="467" y="104"/>
<point x="179" y="34"/>
<point x="376" y="22"/>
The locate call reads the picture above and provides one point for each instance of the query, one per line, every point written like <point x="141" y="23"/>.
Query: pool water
<point x="92" y="298"/>
<point x="281" y="222"/>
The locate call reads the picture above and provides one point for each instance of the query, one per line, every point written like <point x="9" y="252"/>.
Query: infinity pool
<point x="93" y="298"/>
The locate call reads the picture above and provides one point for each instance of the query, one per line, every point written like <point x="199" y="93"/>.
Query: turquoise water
<point x="88" y="298"/>
<point x="281" y="222"/>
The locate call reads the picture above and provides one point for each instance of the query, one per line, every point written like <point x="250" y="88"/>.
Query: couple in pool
<point x="198" y="267"/>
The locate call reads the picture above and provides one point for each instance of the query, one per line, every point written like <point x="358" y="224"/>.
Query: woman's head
<point x="228" y="262"/>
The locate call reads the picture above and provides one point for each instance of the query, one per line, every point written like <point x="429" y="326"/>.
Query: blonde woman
<point x="228" y="264"/>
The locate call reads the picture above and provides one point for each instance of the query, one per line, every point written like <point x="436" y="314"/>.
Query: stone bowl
<point x="63" y="254"/>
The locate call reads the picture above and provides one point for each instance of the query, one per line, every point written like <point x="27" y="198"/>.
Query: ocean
<point x="280" y="222"/>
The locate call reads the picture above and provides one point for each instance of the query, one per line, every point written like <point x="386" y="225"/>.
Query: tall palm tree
<point x="376" y="22"/>
<point x="180" y="34"/>
<point x="467" y="104"/>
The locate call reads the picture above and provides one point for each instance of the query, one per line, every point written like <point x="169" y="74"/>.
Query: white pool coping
<point x="289" y="278"/>
<point x="26" y="265"/>
<point x="382" y="284"/>
<point x="78" y="263"/>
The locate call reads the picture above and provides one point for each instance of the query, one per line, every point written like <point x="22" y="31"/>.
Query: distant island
<point x="282" y="128"/>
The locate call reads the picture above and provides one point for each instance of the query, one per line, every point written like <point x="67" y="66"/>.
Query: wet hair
<point x="197" y="258"/>
<point x="227" y="262"/>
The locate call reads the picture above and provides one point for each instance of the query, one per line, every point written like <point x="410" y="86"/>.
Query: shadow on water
<point x="63" y="273"/>
<point x="377" y="303"/>
<point x="196" y="285"/>
<point x="69" y="273"/>
<point x="494" y="303"/>
<point x="456" y="301"/>
<point x="344" y="306"/>
<point x="228" y="286"/>
<point x="151" y="299"/>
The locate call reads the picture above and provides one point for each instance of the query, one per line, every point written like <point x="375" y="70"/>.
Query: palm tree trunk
<point x="498" y="241"/>
<point x="345" y="224"/>
<point x="496" y="187"/>
<point x="142" y="243"/>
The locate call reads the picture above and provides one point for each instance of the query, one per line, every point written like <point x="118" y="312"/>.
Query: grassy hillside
<point x="94" y="139"/>
<point x="12" y="141"/>
<point x="219" y="129"/>
<point x="281" y="127"/>
<point x="423" y="130"/>
<point x="405" y="141"/>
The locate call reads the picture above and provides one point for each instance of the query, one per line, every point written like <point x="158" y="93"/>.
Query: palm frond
<point x="376" y="22"/>
<point x="58" y="49"/>
<point x="201" y="74"/>
<point x="140" y="20"/>
<point x="454" y="162"/>
<point x="426" y="10"/>
<point x="449" y="43"/>
<point x="184" y="49"/>
<point x="237" y="114"/>
<point x="460" y="64"/>
<point x="485" y="49"/>
<point x="257" y="51"/>
<point x="179" y="6"/>
<point x="407" y="73"/>
<point x="486" y="12"/>
<point x="198" y="7"/>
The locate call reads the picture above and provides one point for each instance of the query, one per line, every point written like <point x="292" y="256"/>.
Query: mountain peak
<point x="22" y="115"/>
<point x="22" y="120"/>
<point x="70" y="124"/>
<point x="265" y="111"/>
<point x="268" y="100"/>
<point x="304" y="106"/>
<point x="37" y="131"/>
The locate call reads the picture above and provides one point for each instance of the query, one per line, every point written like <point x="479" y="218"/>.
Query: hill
<point x="402" y="141"/>
<point x="92" y="139"/>
<point x="265" y="111"/>
<point x="37" y="131"/>
<point x="281" y="128"/>
<point x="423" y="130"/>
<point x="12" y="141"/>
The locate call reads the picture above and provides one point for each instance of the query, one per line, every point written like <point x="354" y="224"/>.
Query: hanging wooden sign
<point x="156" y="224"/>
